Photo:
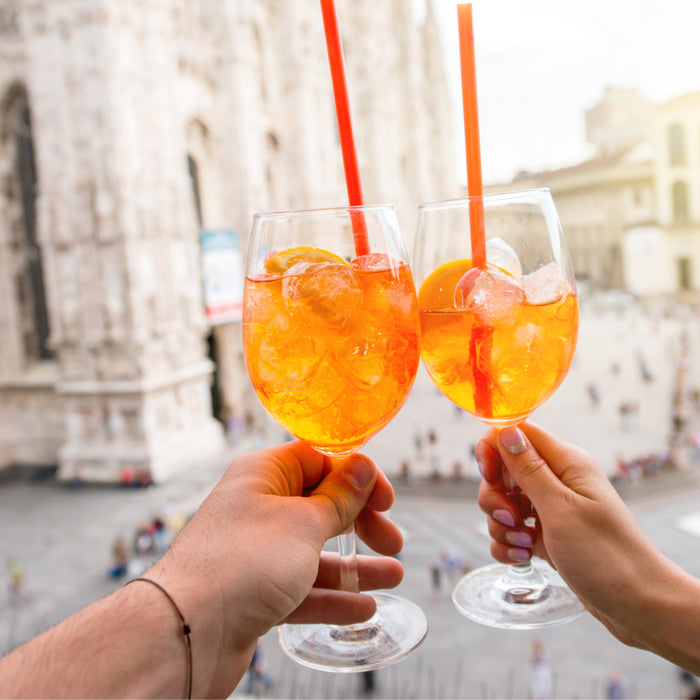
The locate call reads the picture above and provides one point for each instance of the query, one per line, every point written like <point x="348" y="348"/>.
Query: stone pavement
<point x="62" y="536"/>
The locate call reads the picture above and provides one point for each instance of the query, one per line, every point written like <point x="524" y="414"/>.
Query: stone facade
<point x="104" y="368"/>
<point x="631" y="213"/>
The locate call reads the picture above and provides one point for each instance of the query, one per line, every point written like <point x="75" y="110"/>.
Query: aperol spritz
<point x="498" y="339"/>
<point x="520" y="342"/>
<point x="331" y="346"/>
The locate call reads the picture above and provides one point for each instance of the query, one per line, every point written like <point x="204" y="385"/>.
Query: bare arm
<point x="249" y="559"/>
<point x="126" y="645"/>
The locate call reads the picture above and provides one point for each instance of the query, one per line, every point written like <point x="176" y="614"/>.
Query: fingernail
<point x="359" y="472"/>
<point x="504" y="517"/>
<point x="481" y="467"/>
<point x="513" y="440"/>
<point x="519" y="555"/>
<point x="519" y="539"/>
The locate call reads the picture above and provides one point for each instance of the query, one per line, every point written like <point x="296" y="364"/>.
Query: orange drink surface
<point x="500" y="352"/>
<point x="331" y="347"/>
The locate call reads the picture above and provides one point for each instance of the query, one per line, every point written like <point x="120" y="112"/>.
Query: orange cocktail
<point x="330" y="337"/>
<point x="331" y="346"/>
<point x="501" y="352"/>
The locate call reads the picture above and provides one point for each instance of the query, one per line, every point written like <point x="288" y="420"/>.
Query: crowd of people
<point x="150" y="540"/>
<point x="645" y="466"/>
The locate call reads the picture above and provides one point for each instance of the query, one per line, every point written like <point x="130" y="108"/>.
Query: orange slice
<point x="438" y="289"/>
<point x="282" y="261"/>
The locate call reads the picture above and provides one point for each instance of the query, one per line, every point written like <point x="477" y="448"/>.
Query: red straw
<point x="471" y="134"/>
<point x="342" y="109"/>
<point x="481" y="339"/>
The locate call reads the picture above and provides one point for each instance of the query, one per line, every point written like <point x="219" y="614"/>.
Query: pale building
<point x="676" y="141"/>
<point x="631" y="213"/>
<point x="125" y="128"/>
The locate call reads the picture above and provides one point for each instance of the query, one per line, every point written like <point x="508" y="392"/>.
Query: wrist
<point x="169" y="661"/>
<point x="199" y="605"/>
<point x="185" y="628"/>
<point x="664" y="617"/>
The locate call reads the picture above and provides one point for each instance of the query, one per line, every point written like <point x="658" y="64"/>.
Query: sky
<point x="542" y="63"/>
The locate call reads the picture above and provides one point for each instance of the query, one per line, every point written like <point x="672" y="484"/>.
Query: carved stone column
<point x="119" y="231"/>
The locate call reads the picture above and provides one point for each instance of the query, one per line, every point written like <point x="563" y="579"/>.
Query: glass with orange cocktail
<point x="498" y="338"/>
<point x="331" y="346"/>
<point x="330" y="338"/>
<point x="521" y="352"/>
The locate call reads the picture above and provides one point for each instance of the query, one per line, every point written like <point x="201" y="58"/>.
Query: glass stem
<point x="349" y="580"/>
<point x="522" y="574"/>
<point x="522" y="569"/>
<point x="347" y="548"/>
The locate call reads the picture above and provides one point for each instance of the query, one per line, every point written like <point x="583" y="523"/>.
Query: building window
<point x="685" y="277"/>
<point x="30" y="293"/>
<point x="676" y="144"/>
<point x="193" y="172"/>
<point x="680" y="202"/>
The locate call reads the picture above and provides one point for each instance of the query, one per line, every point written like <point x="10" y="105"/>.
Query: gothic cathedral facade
<point x="126" y="128"/>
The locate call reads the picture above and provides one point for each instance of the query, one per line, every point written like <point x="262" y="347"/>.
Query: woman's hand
<point x="585" y="530"/>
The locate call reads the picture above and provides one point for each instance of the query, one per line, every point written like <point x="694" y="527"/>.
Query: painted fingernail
<point x="513" y="440"/>
<point x="519" y="556"/>
<point x="504" y="517"/>
<point x="519" y="539"/>
<point x="359" y="473"/>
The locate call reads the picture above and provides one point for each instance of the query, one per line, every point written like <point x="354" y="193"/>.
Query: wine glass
<point x="498" y="339"/>
<point x="331" y="345"/>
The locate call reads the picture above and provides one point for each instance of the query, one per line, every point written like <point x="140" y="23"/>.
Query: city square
<point x="61" y="535"/>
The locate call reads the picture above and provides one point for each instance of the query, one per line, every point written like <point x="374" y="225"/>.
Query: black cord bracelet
<point x="185" y="628"/>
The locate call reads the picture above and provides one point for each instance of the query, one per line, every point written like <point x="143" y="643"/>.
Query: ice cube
<point x="373" y="262"/>
<point x="499" y="253"/>
<point x="546" y="285"/>
<point x="367" y="368"/>
<point x="323" y="389"/>
<point x="368" y="348"/>
<point x="489" y="293"/>
<point x="287" y="364"/>
<point x="326" y="293"/>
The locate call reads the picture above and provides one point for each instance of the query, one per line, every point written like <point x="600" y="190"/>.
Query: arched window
<point x="685" y="274"/>
<point x="24" y="247"/>
<point x="676" y="144"/>
<point x="193" y="172"/>
<point x="679" y="194"/>
<point x="200" y="163"/>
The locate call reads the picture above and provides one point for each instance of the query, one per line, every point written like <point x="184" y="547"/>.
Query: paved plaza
<point x="62" y="536"/>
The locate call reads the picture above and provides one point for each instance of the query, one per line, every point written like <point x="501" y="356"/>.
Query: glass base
<point x="516" y="597"/>
<point x="395" y="630"/>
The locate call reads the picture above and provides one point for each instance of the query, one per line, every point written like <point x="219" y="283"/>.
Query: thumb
<point x="527" y="466"/>
<point x="342" y="495"/>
